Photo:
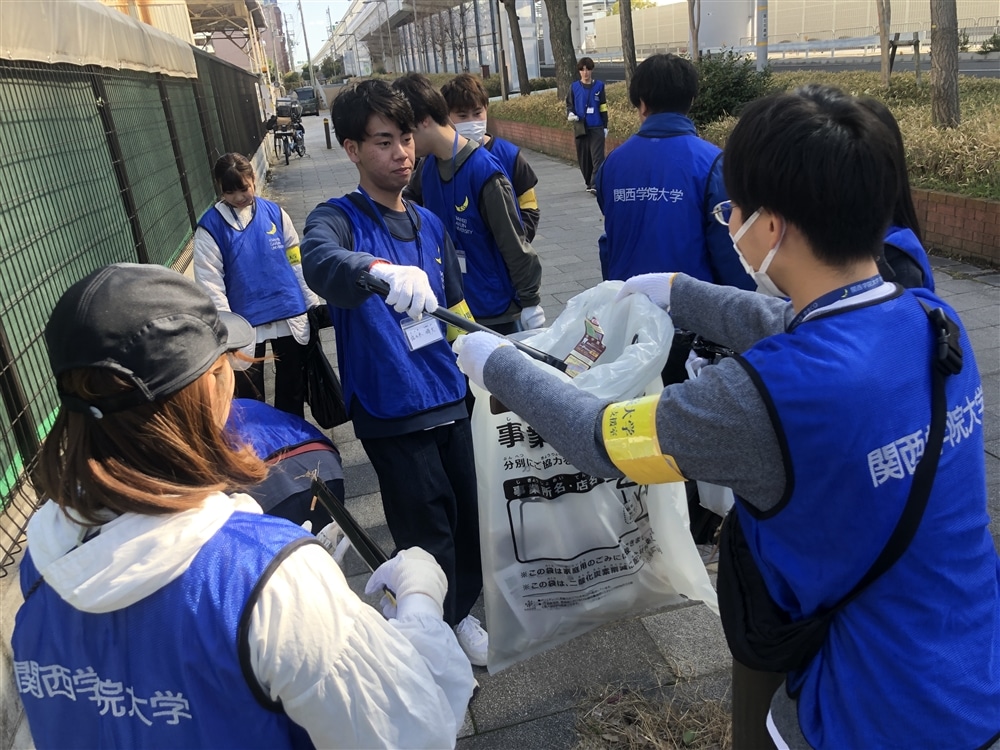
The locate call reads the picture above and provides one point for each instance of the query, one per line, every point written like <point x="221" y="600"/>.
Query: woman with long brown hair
<point x="161" y="611"/>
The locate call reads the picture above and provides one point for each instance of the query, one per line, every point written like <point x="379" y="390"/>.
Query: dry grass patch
<point x="623" y="717"/>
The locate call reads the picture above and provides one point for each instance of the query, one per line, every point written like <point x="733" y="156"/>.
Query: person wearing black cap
<point x="162" y="612"/>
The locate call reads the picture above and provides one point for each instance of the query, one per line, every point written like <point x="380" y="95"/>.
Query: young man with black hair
<point x="658" y="188"/>
<point x="403" y="391"/>
<point x="467" y="101"/>
<point x="587" y="109"/>
<point x="819" y="424"/>
<point x="466" y="188"/>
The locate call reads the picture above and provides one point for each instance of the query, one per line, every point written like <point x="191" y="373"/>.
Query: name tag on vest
<point x="420" y="333"/>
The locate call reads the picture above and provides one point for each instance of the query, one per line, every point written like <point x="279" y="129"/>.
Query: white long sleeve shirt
<point x="350" y="678"/>
<point x="210" y="272"/>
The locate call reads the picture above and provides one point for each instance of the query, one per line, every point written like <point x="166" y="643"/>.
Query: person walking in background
<point x="403" y="391"/>
<point x="160" y="611"/>
<point x="466" y="188"/>
<point x="657" y="190"/>
<point x="467" y="101"/>
<point x="587" y="109"/>
<point x="903" y="258"/>
<point x="246" y="256"/>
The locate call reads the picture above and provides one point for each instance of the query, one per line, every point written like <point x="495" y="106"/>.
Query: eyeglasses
<point x="722" y="212"/>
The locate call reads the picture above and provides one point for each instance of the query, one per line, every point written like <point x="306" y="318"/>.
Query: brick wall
<point x="951" y="224"/>
<point x="557" y="142"/>
<point x="954" y="224"/>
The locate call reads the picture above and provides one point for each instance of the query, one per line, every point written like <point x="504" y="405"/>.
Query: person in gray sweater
<point x="817" y="423"/>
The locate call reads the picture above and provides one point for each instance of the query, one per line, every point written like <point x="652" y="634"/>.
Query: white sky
<point x="316" y="23"/>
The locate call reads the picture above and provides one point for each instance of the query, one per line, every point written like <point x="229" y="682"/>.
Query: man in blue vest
<point x="587" y="109"/>
<point x="657" y="189"/>
<point x="467" y="103"/>
<point x="403" y="391"/>
<point x="818" y="424"/>
<point x="466" y="188"/>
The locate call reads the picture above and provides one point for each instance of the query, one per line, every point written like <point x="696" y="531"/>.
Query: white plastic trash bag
<point x="564" y="552"/>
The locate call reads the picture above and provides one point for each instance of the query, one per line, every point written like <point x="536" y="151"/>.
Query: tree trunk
<point x="515" y="36"/>
<point x="561" y="39"/>
<point x="944" y="63"/>
<point x="628" y="39"/>
<point x="884" y="22"/>
<point x="694" y="24"/>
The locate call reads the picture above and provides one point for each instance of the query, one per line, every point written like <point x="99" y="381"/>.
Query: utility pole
<point x="761" y="34"/>
<point x="305" y="39"/>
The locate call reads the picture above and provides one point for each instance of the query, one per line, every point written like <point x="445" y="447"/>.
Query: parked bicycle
<point x="289" y="133"/>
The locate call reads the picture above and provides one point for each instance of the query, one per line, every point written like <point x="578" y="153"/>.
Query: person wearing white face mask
<point x="467" y="102"/>
<point x="819" y="424"/>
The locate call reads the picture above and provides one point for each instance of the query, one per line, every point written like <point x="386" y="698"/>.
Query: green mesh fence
<point x="99" y="166"/>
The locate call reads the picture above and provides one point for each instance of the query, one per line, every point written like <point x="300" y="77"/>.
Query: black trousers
<point x="752" y="693"/>
<point x="590" y="154"/>
<point x="428" y="483"/>
<point x="289" y="375"/>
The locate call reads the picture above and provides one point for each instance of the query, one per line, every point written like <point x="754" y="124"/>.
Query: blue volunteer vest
<point x="268" y="430"/>
<point x="917" y="655"/>
<point x="654" y="207"/>
<point x="376" y="363"/>
<point x="505" y="154"/>
<point x="904" y="239"/>
<point x="489" y="290"/>
<point x="584" y="99"/>
<point x="170" y="671"/>
<point x="260" y="283"/>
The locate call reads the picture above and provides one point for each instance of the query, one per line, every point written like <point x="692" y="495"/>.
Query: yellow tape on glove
<point x="629" y="430"/>
<point x="462" y="309"/>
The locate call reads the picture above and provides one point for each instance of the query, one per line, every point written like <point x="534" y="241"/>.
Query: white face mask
<point x="764" y="282"/>
<point x="474" y="130"/>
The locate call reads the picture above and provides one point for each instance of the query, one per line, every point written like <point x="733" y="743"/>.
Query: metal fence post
<point x="176" y="146"/>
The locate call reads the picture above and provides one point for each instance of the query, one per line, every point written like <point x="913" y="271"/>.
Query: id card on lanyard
<point x="421" y="333"/>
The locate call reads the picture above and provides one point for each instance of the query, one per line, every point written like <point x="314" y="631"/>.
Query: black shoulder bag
<point x="761" y="635"/>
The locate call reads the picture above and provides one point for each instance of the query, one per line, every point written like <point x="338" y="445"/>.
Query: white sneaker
<point x="473" y="640"/>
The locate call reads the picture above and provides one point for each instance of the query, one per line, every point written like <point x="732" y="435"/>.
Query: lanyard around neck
<point x="844" y="292"/>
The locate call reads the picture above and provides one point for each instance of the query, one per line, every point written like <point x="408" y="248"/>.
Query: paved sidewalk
<point x="536" y="704"/>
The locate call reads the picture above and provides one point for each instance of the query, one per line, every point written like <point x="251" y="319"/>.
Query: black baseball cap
<point x="157" y="329"/>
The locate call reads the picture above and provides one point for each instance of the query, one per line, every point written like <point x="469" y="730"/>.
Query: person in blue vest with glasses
<point x="843" y="390"/>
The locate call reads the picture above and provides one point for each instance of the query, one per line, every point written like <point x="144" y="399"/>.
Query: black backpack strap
<point x="947" y="361"/>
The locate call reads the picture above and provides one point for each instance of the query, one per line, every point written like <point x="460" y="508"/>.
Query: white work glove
<point x="409" y="289"/>
<point x="656" y="286"/>
<point x="532" y="317"/>
<point x="329" y="537"/>
<point x="605" y="132"/>
<point x="571" y="117"/>
<point x="412" y="571"/>
<point x="473" y="349"/>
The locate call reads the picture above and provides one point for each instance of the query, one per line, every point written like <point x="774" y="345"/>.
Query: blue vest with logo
<point x="171" y="670"/>
<point x="268" y="430"/>
<point x="376" y="363"/>
<point x="905" y="240"/>
<point x="655" y="217"/>
<point x="489" y="290"/>
<point x="914" y="660"/>
<point x="260" y="283"/>
<point x="587" y="98"/>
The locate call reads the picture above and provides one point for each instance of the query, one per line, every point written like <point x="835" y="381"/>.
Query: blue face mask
<point x="764" y="282"/>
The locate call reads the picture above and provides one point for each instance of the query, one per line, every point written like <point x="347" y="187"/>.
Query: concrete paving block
<point x="367" y="509"/>
<point x="558" y="679"/>
<point x="554" y="732"/>
<point x="360" y="479"/>
<point x="691" y="641"/>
